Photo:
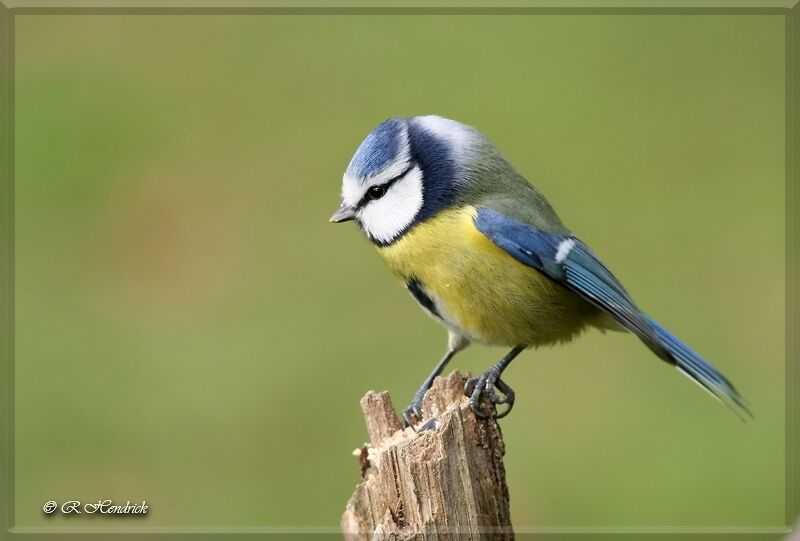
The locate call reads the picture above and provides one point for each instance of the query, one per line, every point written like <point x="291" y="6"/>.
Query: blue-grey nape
<point x="441" y="174"/>
<point x="381" y="147"/>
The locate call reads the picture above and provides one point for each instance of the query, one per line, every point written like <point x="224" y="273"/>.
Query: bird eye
<point x="376" y="192"/>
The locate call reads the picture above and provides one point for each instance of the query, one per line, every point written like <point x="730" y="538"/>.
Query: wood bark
<point x="445" y="480"/>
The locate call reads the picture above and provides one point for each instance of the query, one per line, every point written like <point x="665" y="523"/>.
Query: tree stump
<point x="445" y="480"/>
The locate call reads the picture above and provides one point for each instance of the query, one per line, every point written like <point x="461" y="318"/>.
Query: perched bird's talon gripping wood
<point x="445" y="481"/>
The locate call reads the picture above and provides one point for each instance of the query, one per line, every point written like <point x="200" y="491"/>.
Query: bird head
<point x="406" y="171"/>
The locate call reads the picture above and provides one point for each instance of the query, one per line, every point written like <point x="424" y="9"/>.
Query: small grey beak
<point x="344" y="213"/>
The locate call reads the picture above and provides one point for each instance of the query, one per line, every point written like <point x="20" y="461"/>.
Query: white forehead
<point x="354" y="187"/>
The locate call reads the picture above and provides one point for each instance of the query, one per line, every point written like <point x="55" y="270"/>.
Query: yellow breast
<point x="479" y="290"/>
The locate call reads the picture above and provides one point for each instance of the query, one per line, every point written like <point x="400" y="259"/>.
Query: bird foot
<point x="413" y="412"/>
<point x="485" y="384"/>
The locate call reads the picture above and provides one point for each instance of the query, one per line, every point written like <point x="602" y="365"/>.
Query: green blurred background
<point x="190" y="329"/>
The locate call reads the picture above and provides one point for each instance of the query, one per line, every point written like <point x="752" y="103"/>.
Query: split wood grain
<point x="446" y="481"/>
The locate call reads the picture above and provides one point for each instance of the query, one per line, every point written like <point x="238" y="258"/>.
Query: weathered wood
<point x="446" y="481"/>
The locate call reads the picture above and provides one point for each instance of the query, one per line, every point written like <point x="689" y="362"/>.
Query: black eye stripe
<point x="386" y="185"/>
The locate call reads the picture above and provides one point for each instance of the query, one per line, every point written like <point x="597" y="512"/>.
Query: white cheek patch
<point x="385" y="218"/>
<point x="352" y="190"/>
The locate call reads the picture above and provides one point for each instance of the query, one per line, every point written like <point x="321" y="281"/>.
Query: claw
<point x="485" y="385"/>
<point x="413" y="412"/>
<point x="508" y="393"/>
<point x="410" y="416"/>
<point x="508" y="398"/>
<point x="470" y="384"/>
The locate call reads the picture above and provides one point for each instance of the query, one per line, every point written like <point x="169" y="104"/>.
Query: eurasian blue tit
<point x="485" y="255"/>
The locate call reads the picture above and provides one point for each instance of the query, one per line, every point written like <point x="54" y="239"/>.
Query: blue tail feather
<point x="699" y="370"/>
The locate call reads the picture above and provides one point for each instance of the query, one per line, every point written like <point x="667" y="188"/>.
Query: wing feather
<point x="579" y="270"/>
<point x="569" y="262"/>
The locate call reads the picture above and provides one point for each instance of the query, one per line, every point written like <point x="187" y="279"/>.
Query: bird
<point x="484" y="254"/>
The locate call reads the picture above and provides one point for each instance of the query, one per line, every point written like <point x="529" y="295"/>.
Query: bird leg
<point x="486" y="383"/>
<point x="414" y="409"/>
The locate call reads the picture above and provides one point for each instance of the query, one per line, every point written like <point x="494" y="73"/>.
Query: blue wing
<point x="568" y="261"/>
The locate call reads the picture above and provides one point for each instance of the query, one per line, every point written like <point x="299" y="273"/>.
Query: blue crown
<point x="379" y="149"/>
